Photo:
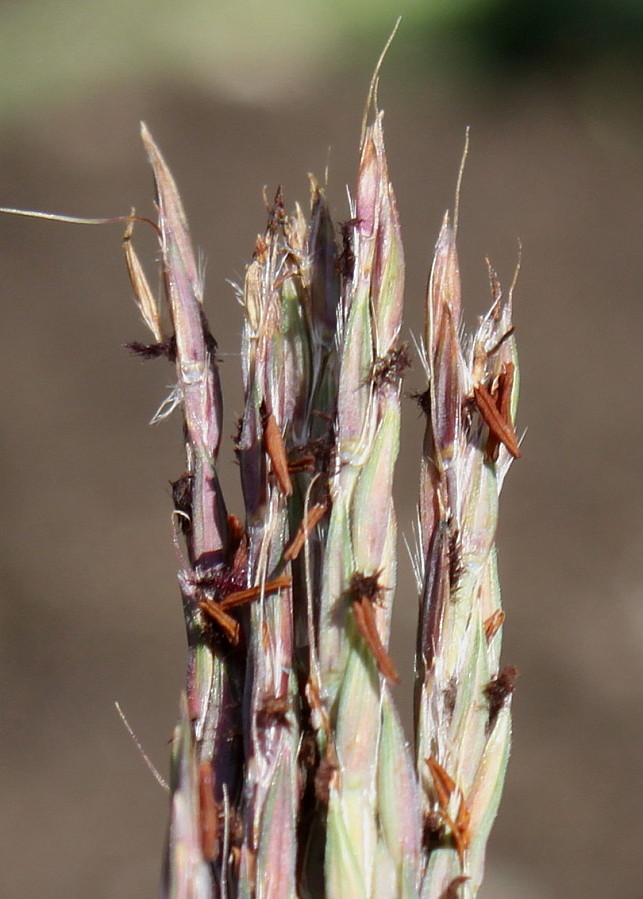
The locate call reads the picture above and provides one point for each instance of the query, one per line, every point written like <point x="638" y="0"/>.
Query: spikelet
<point x="365" y="849"/>
<point x="275" y="379"/>
<point x="462" y="697"/>
<point x="215" y="677"/>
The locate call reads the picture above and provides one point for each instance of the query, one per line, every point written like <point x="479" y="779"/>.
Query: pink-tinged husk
<point x="398" y="807"/>
<point x="186" y="873"/>
<point x="444" y="290"/>
<point x="277" y="837"/>
<point x="387" y="280"/>
<point x="197" y="372"/>
<point x="211" y="681"/>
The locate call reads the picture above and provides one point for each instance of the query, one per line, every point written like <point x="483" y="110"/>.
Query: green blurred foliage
<point x="54" y="50"/>
<point x="514" y="37"/>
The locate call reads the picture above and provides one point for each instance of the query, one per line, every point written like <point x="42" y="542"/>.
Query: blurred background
<point x="241" y="94"/>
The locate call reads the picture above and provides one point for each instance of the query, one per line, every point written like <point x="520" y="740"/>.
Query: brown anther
<point x="236" y="536"/>
<point x="364" y="592"/>
<point x="444" y="784"/>
<point x="208" y="813"/>
<point x="499" y="427"/>
<point x="367" y="626"/>
<point x="314" y="516"/>
<point x="493" y="624"/>
<point x="224" y="622"/>
<point x="502" y="397"/>
<point x="274" y="446"/>
<point x="445" y="787"/>
<point x="498" y="690"/>
<point x="505" y="386"/>
<point x="239" y="597"/>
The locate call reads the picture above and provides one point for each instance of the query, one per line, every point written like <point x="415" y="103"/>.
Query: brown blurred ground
<point x="90" y="609"/>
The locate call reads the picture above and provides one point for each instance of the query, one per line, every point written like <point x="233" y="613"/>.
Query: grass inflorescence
<point x="290" y="772"/>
